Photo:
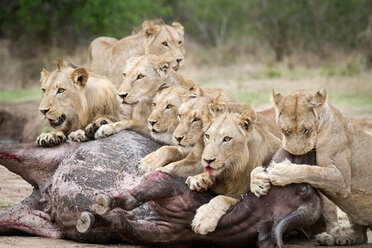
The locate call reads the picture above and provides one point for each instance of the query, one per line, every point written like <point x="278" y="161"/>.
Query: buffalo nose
<point x="178" y="61"/>
<point x="123" y="95"/>
<point x="152" y="123"/>
<point x="209" y="161"/>
<point x="178" y="138"/>
<point x="44" y="111"/>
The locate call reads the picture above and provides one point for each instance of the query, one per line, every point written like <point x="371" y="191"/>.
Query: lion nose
<point x="178" y="138"/>
<point x="44" y="111"/>
<point x="152" y="123"/>
<point x="209" y="161"/>
<point x="178" y="61"/>
<point x="123" y="96"/>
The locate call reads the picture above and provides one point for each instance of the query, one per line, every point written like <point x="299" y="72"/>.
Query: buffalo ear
<point x="148" y="29"/>
<point x="44" y="74"/>
<point x="218" y="105"/>
<point x="247" y="119"/>
<point x="319" y="98"/>
<point x="79" y="76"/>
<point x="178" y="26"/>
<point x="277" y="98"/>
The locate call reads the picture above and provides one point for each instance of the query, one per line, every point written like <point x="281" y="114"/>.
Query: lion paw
<point x="104" y="131"/>
<point x="50" y="139"/>
<point x="148" y="164"/>
<point x="199" y="182"/>
<point x="92" y="128"/>
<point x="164" y="169"/>
<point x="78" y="136"/>
<point x="260" y="182"/>
<point x="280" y="174"/>
<point x="341" y="236"/>
<point x="205" y="220"/>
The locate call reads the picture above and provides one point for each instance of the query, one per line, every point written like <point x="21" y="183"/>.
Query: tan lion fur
<point x="108" y="56"/>
<point x="344" y="158"/>
<point x="81" y="96"/>
<point x="237" y="141"/>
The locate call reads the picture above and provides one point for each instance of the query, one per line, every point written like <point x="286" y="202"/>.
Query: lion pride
<point x="108" y="56"/>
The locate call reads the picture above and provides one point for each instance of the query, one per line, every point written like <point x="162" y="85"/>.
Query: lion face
<point x="163" y="39"/>
<point x="194" y="118"/>
<point x="226" y="142"/>
<point x="143" y="77"/>
<point x="163" y="119"/>
<point x="297" y="116"/>
<point x="62" y="98"/>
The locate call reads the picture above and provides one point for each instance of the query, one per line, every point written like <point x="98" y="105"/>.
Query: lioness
<point x="235" y="143"/>
<point x="144" y="76"/>
<point x="108" y="56"/>
<point x="343" y="153"/>
<point x="74" y="98"/>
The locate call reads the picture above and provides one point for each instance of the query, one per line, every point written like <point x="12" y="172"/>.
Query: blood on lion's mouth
<point x="208" y="169"/>
<point x="59" y="122"/>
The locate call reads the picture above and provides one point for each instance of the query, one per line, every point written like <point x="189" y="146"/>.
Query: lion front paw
<point x="340" y="236"/>
<point x="281" y="174"/>
<point x="105" y="131"/>
<point x="260" y="182"/>
<point x="92" y="128"/>
<point x="50" y="139"/>
<point x="78" y="136"/>
<point x="199" y="182"/>
<point x="149" y="164"/>
<point x="205" y="220"/>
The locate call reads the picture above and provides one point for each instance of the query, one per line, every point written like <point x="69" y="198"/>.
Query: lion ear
<point x="148" y="29"/>
<point x="277" y="98"/>
<point x="319" y="98"/>
<point x="79" y="76"/>
<point x="247" y="119"/>
<point x="44" y="74"/>
<point x="218" y="105"/>
<point x="178" y="26"/>
<point x="166" y="62"/>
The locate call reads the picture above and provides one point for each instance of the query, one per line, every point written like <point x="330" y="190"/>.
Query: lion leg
<point x="92" y="128"/>
<point x="208" y="215"/>
<point x="159" y="158"/>
<point x="200" y="182"/>
<point x="185" y="167"/>
<point x="113" y="128"/>
<point x="50" y="139"/>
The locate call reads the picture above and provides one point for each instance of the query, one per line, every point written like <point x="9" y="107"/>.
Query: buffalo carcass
<point x="67" y="179"/>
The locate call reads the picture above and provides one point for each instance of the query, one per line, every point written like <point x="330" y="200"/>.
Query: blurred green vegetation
<point x="282" y="25"/>
<point x="19" y="95"/>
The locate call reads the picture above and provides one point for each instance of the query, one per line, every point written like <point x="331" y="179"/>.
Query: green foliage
<point x="19" y="95"/>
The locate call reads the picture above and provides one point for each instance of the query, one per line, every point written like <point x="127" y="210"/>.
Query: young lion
<point x="144" y="76"/>
<point x="235" y="143"/>
<point x="108" y="56"/>
<point x="343" y="154"/>
<point x="74" y="98"/>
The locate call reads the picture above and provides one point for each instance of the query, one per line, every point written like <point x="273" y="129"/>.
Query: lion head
<point x="62" y="104"/>
<point x="226" y="141"/>
<point x="163" y="119"/>
<point x="298" y="117"/>
<point x="144" y="76"/>
<point x="161" y="39"/>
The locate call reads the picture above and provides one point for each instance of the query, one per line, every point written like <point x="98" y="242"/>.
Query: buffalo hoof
<point x="103" y="204"/>
<point x="85" y="223"/>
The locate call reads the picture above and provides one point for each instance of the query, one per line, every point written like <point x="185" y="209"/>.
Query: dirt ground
<point x="13" y="189"/>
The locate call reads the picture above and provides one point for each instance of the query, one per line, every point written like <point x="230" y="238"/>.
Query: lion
<point x="343" y="154"/>
<point x="108" y="56"/>
<point x="75" y="99"/>
<point x="144" y="76"/>
<point x="235" y="143"/>
<point x="195" y="116"/>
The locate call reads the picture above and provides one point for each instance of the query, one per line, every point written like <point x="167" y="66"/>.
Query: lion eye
<point x="285" y="132"/>
<point x="165" y="43"/>
<point x="195" y="120"/>
<point x="179" y="117"/>
<point x="140" y="76"/>
<point x="227" y="139"/>
<point x="43" y="90"/>
<point x="60" y="91"/>
<point x="154" y="104"/>
<point x="306" y="131"/>
<point x="169" y="106"/>
<point x="207" y="136"/>
<point x="124" y="74"/>
<point x="179" y="43"/>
